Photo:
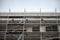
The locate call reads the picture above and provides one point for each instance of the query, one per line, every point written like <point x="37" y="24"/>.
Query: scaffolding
<point x="30" y="26"/>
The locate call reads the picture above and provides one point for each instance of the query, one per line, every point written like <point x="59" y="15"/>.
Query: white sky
<point x="30" y="5"/>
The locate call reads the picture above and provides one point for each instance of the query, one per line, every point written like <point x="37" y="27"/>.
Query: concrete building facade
<point x="29" y="26"/>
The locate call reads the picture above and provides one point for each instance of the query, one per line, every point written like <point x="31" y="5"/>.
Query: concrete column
<point x="59" y="28"/>
<point x="29" y="29"/>
<point x="43" y="29"/>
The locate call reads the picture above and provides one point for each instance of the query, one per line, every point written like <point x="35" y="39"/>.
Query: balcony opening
<point x="15" y="16"/>
<point x="52" y="28"/>
<point x="35" y="29"/>
<point x="55" y="39"/>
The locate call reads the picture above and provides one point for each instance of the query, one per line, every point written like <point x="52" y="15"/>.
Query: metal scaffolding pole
<point x="24" y="24"/>
<point x="6" y="29"/>
<point x="57" y="16"/>
<point x="40" y="25"/>
<point x="20" y="36"/>
<point x="6" y="25"/>
<point x="57" y="20"/>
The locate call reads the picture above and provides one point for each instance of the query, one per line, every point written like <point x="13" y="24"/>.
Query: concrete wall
<point x="59" y="28"/>
<point x="29" y="29"/>
<point x="43" y="29"/>
<point x="29" y="14"/>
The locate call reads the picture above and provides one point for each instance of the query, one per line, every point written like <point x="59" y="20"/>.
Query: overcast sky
<point x="30" y="5"/>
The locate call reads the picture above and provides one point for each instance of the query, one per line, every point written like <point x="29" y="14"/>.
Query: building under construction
<point x="29" y="25"/>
